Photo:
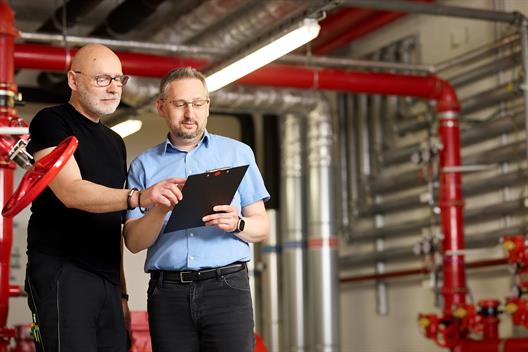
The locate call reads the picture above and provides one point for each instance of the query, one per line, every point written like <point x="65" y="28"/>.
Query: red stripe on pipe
<point x="320" y="242"/>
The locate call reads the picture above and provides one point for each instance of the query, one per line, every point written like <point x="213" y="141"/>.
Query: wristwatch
<point x="240" y="224"/>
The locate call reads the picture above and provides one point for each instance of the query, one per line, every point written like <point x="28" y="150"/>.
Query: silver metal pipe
<point x="435" y="9"/>
<point x="271" y="321"/>
<point x="524" y="45"/>
<point x="477" y="53"/>
<point x="324" y="312"/>
<point x="413" y="202"/>
<point x="129" y="44"/>
<point x="407" y="253"/>
<point x="490" y="97"/>
<point x="342" y="62"/>
<point x="490" y="129"/>
<point x="413" y="228"/>
<point x="293" y="234"/>
<point x="483" y="71"/>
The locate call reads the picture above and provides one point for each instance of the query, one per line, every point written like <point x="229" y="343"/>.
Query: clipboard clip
<point x="218" y="172"/>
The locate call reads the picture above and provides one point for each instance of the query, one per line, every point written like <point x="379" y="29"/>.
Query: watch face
<point x="241" y="224"/>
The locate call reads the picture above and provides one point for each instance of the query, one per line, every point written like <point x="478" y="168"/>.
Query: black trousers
<point x="213" y="315"/>
<point x="76" y="310"/>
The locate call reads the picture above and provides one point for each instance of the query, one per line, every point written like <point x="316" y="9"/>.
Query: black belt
<point x="186" y="277"/>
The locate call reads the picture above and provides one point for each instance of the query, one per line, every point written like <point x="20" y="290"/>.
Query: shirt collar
<point x="168" y="144"/>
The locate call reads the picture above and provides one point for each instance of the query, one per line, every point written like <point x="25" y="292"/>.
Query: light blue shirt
<point x="206" y="246"/>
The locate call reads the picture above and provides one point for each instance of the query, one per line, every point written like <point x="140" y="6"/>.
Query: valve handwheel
<point x="39" y="176"/>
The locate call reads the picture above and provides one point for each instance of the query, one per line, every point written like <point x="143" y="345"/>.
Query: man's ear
<point x="160" y="107"/>
<point x="71" y="81"/>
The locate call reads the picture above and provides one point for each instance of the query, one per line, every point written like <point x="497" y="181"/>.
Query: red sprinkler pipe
<point x="368" y="25"/>
<point x="504" y="345"/>
<point x="339" y="22"/>
<point x="7" y="92"/>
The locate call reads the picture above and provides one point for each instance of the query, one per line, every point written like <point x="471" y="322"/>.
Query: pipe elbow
<point x="446" y="97"/>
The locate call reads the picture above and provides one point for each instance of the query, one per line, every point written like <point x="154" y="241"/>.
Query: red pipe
<point x="7" y="112"/>
<point x="416" y="271"/>
<point x="339" y="22"/>
<point x="368" y="25"/>
<point x="504" y="345"/>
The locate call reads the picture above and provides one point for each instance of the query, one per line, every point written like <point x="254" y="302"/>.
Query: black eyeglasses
<point x="196" y="103"/>
<point x="106" y="80"/>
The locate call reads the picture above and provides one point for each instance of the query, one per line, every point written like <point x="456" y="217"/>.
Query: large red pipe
<point x="430" y="87"/>
<point x="7" y="111"/>
<point x="338" y="23"/>
<point x="368" y="25"/>
<point x="504" y="345"/>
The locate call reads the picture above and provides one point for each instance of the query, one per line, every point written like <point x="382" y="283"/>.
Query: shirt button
<point x="191" y="234"/>
<point x="191" y="258"/>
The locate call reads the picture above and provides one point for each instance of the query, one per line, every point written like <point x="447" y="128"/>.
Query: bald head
<point x="94" y="56"/>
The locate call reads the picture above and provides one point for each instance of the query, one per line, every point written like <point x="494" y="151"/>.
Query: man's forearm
<point x="141" y="233"/>
<point x="256" y="228"/>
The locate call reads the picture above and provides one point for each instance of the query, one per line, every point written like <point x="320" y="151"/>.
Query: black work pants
<point x="213" y="315"/>
<point x="76" y="310"/>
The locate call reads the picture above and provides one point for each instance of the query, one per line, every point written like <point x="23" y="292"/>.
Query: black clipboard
<point x="201" y="193"/>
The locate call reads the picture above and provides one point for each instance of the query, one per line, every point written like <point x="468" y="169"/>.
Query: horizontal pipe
<point x="436" y="9"/>
<point x="490" y="97"/>
<point x="407" y="253"/>
<point x="478" y="133"/>
<point x="477" y="53"/>
<point x="430" y="87"/>
<point x="413" y="202"/>
<point x="416" y="271"/>
<point x="317" y="61"/>
<point x="414" y="227"/>
<point x="413" y="178"/>
<point x="483" y="71"/>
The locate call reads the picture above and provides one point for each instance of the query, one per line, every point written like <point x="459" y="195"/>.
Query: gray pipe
<point x="293" y="229"/>
<point x="322" y="241"/>
<point x="436" y="9"/>
<point x="414" y="227"/>
<point x="271" y="317"/>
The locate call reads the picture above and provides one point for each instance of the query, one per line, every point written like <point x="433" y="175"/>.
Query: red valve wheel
<point x="39" y="176"/>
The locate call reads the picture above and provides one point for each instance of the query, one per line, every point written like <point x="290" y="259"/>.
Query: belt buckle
<point x="181" y="278"/>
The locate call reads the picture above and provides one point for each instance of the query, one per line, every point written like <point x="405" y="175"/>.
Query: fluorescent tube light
<point x="290" y="41"/>
<point x="127" y="127"/>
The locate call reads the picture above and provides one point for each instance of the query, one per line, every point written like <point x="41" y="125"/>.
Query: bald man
<point x="76" y="289"/>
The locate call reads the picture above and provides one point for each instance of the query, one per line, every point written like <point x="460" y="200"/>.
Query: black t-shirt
<point x="90" y="240"/>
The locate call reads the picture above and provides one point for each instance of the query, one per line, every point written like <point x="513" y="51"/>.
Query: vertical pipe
<point x="523" y="28"/>
<point x="271" y="324"/>
<point x="7" y="111"/>
<point x="293" y="239"/>
<point x="322" y="240"/>
<point x="451" y="205"/>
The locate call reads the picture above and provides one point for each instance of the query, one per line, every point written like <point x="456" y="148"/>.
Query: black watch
<point x="241" y="224"/>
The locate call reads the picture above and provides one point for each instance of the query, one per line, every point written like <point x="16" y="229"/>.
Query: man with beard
<point x="198" y="295"/>
<point x="74" y="280"/>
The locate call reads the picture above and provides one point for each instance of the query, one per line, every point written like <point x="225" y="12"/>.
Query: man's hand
<point x="167" y="193"/>
<point x="225" y="219"/>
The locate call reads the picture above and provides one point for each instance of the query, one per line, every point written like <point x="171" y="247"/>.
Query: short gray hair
<point x="181" y="73"/>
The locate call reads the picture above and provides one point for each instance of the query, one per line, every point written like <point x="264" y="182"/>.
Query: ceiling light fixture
<point x="297" y="36"/>
<point x="127" y="127"/>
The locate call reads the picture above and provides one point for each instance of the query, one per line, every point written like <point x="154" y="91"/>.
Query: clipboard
<point x="201" y="192"/>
